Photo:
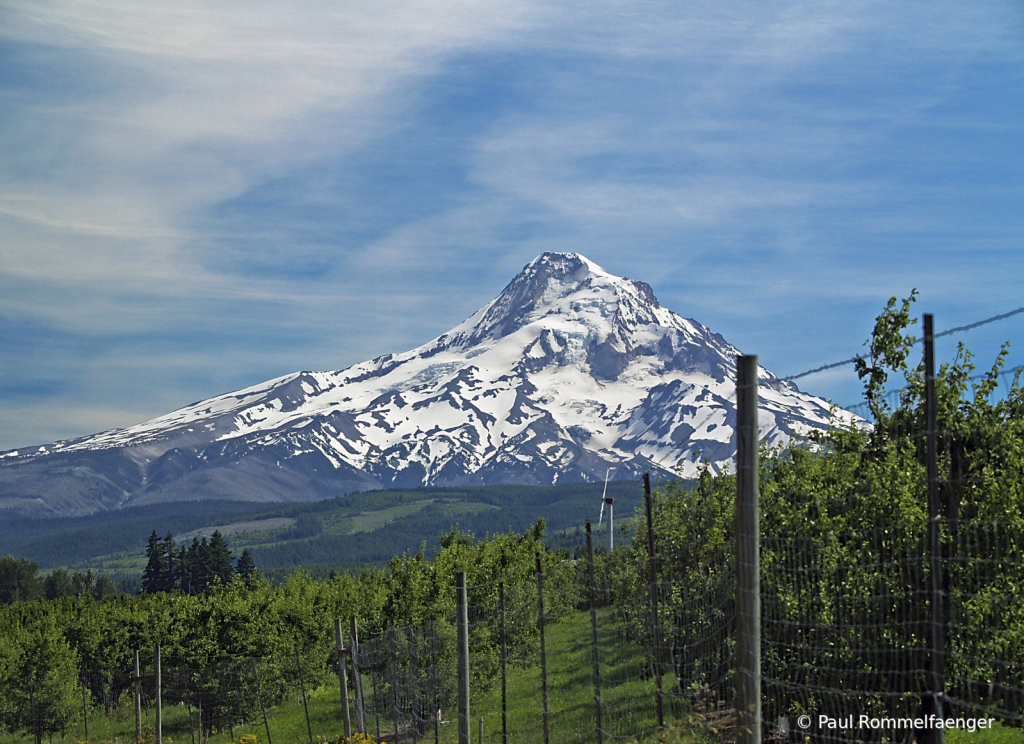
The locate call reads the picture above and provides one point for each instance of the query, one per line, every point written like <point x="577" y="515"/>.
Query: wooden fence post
<point x="543" y="652"/>
<point x="655" y="628"/>
<point x="748" y="580"/>
<point x="462" y="623"/>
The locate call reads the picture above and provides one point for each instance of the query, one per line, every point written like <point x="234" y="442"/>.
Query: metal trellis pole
<point x="302" y="687"/>
<point x="393" y="663"/>
<point x="593" y="629"/>
<point x="357" y="679"/>
<point x="159" y="702"/>
<point x="504" y="677"/>
<point x="259" y="696"/>
<point x="138" y="700"/>
<point x="433" y="682"/>
<point x="85" y="709"/>
<point x="343" y="679"/>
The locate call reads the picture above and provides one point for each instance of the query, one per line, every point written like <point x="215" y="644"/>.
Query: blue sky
<point x="196" y="197"/>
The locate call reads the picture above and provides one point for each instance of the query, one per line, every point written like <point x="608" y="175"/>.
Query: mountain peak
<point x="571" y="370"/>
<point x="562" y="284"/>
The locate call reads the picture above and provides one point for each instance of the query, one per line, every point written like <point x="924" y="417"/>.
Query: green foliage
<point x="57" y="584"/>
<point x="844" y="518"/>
<point x="285" y="627"/>
<point x="889" y="348"/>
<point x="19" y="579"/>
<point x="844" y="553"/>
<point x="38" y="672"/>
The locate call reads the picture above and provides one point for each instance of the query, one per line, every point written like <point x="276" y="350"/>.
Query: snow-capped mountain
<point x="569" y="372"/>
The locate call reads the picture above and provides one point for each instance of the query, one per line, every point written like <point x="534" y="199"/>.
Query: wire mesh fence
<point x="870" y="630"/>
<point x="846" y="634"/>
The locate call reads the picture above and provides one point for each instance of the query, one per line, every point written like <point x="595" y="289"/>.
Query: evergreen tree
<point x="169" y="575"/>
<point x="246" y="568"/>
<point x="202" y="567"/>
<point x="189" y="570"/>
<point x="220" y="559"/>
<point x="153" y="575"/>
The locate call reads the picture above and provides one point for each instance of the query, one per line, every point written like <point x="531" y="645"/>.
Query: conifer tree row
<point x="190" y="569"/>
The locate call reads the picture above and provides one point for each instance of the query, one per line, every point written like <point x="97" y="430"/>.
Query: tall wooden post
<point x="938" y="657"/>
<point x="462" y="623"/>
<point x="655" y="627"/>
<point x="748" y="582"/>
<point x="342" y="679"/>
<point x="543" y="651"/>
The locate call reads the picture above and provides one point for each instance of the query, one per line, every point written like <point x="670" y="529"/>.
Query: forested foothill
<point x="844" y="570"/>
<point x="342" y="534"/>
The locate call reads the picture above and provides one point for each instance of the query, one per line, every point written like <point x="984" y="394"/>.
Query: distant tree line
<point x="20" y="581"/>
<point x="193" y="568"/>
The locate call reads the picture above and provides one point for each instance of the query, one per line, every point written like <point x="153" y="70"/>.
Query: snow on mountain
<point x="570" y="371"/>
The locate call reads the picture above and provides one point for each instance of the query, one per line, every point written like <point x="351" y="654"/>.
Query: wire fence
<point x="846" y="634"/>
<point x="890" y="610"/>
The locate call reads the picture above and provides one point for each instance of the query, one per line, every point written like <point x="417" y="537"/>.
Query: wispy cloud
<point x="244" y="189"/>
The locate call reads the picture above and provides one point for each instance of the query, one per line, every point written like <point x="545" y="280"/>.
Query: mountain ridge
<point x="568" y="372"/>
